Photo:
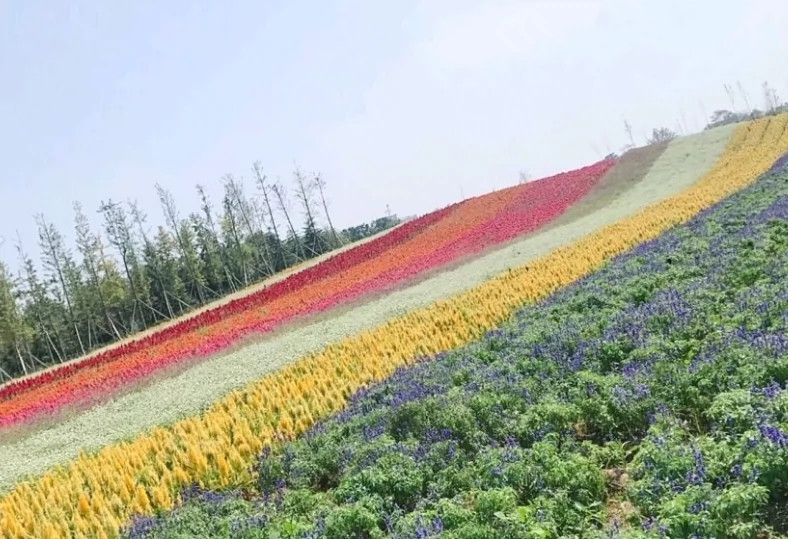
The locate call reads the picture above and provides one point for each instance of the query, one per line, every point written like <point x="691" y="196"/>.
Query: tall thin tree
<point x="744" y="96"/>
<point x="628" y="131"/>
<point x="320" y="183"/>
<point x="232" y="234"/>
<point x="140" y="218"/>
<point x="173" y="221"/>
<point x="38" y="305"/>
<point x="731" y="96"/>
<point x="281" y="198"/>
<point x="265" y="191"/>
<point x="88" y="245"/>
<point x="304" y="193"/>
<point x="235" y="191"/>
<point x="120" y="236"/>
<point x="207" y="209"/>
<point x="55" y="257"/>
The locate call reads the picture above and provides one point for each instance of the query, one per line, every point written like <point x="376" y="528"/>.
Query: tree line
<point x="742" y="110"/>
<point x="772" y="106"/>
<point x="127" y="277"/>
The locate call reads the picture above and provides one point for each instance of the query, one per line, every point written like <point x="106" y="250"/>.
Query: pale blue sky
<point x="408" y="103"/>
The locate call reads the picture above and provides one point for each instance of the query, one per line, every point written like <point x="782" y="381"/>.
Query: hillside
<point x="566" y="330"/>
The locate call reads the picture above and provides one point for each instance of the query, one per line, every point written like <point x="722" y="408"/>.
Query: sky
<point x="406" y="103"/>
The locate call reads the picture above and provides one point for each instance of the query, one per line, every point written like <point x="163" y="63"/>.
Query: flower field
<point x="529" y="432"/>
<point x="428" y="243"/>
<point x="505" y="420"/>
<point x="190" y="392"/>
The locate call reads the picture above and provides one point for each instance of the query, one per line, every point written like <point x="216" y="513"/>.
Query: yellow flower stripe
<point x="95" y="494"/>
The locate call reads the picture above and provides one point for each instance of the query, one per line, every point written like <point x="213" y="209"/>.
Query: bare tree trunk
<point x="304" y="193"/>
<point x="34" y="358"/>
<point x="321" y="184"/>
<point x="281" y="197"/>
<point x="261" y="178"/>
<point x="21" y="360"/>
<point x="52" y="344"/>
<point x="729" y="91"/>
<point x="4" y="373"/>
<point x="743" y="93"/>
